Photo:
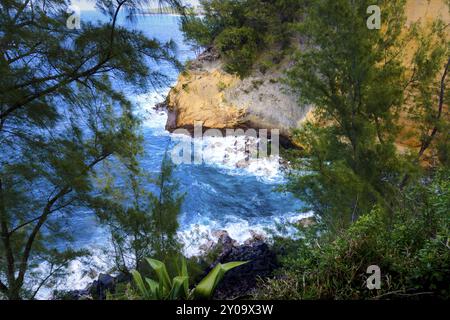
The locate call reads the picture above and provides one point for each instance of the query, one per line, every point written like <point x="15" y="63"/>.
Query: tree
<point x="354" y="77"/>
<point x="60" y="119"/>
<point x="372" y="204"/>
<point x="359" y="81"/>
<point x="427" y="97"/>
<point x="166" y="206"/>
<point x="147" y="224"/>
<point x="242" y="29"/>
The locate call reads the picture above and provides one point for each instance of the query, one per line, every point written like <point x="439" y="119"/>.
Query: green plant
<point x="359" y="88"/>
<point x="221" y="86"/>
<point x="243" y="29"/>
<point x="238" y="47"/>
<point x="411" y="248"/>
<point x="176" y="288"/>
<point x="63" y="117"/>
<point x="147" y="225"/>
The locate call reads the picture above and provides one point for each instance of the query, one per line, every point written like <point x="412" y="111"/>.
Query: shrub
<point x="241" y="29"/>
<point x="411" y="248"/>
<point x="238" y="47"/>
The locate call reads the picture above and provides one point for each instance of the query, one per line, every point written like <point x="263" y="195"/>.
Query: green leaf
<point x="184" y="273"/>
<point x="231" y="265"/>
<point x="177" y="291"/>
<point x="154" y="289"/>
<point x="140" y="284"/>
<point x="206" y="287"/>
<point x="163" y="276"/>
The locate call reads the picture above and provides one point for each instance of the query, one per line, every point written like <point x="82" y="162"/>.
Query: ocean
<point x="220" y="194"/>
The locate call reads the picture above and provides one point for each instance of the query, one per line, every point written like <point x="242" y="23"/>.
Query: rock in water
<point x="97" y="290"/>
<point x="102" y="286"/>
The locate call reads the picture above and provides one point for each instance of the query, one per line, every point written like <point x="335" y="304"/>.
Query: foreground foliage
<point x="412" y="251"/>
<point x="373" y="204"/>
<point x="166" y="288"/>
<point x="61" y="118"/>
<point x="148" y="224"/>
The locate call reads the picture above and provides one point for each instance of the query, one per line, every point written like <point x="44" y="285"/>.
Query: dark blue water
<point x="218" y="194"/>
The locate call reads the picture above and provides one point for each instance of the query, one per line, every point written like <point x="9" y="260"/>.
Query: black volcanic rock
<point x="97" y="290"/>
<point x="237" y="283"/>
<point x="241" y="281"/>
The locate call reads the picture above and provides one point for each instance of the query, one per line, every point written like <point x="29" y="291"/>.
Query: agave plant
<point x="165" y="288"/>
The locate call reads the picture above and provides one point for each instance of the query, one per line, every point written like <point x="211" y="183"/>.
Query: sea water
<point x="220" y="194"/>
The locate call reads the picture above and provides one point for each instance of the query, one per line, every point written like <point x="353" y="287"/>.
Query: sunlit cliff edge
<point x="206" y="94"/>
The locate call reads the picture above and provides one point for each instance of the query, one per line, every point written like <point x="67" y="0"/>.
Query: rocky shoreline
<point x="172" y="116"/>
<point x="237" y="283"/>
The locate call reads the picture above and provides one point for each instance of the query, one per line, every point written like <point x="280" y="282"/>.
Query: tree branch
<point x="427" y="142"/>
<point x="6" y="238"/>
<point x="43" y="218"/>
<point x="37" y="218"/>
<point x="43" y="281"/>
<point x="72" y="77"/>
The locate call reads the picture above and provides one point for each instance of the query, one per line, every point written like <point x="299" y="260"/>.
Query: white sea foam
<point x="153" y="119"/>
<point x="81" y="273"/>
<point x="227" y="153"/>
<point x="231" y="155"/>
<point x="198" y="237"/>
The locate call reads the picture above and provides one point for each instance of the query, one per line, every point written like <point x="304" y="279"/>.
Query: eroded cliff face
<point x="199" y="95"/>
<point x="207" y="94"/>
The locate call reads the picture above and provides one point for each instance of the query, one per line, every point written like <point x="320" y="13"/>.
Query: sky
<point x="90" y="4"/>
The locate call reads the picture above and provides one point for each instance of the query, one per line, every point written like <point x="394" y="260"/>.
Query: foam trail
<point x="198" y="237"/>
<point x="152" y="119"/>
<point x="81" y="273"/>
<point x="228" y="153"/>
<point x="231" y="155"/>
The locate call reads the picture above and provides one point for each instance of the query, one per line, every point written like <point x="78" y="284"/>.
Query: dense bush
<point x="239" y="47"/>
<point x="242" y="28"/>
<point x="373" y="204"/>
<point x="411" y="248"/>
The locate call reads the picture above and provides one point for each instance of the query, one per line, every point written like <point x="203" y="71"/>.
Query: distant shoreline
<point x="157" y="14"/>
<point x="168" y="10"/>
<point x="149" y="13"/>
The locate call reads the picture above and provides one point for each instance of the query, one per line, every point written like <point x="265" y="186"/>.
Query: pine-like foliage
<point x="146" y="224"/>
<point x="61" y="117"/>
<point x="358" y="80"/>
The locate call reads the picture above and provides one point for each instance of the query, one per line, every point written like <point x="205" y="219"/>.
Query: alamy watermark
<point x="74" y="20"/>
<point x="374" y="20"/>
<point x="256" y="144"/>
<point x="374" y="280"/>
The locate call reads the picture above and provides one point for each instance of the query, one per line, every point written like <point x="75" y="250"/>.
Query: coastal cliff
<point x="206" y="93"/>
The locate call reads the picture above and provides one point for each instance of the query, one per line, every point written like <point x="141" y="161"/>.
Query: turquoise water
<point x="219" y="195"/>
